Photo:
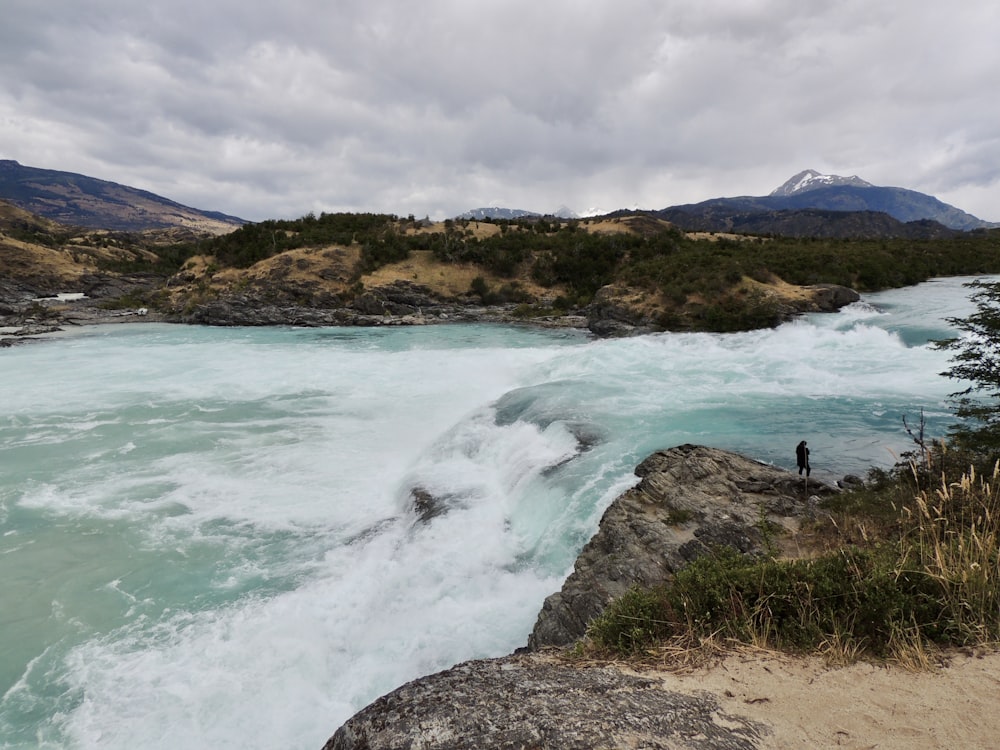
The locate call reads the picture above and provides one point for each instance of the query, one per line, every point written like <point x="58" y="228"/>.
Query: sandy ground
<point x="809" y="704"/>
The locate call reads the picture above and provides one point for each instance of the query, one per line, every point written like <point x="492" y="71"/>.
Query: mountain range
<point x="807" y="204"/>
<point x="811" y="191"/>
<point x="814" y="204"/>
<point x="78" y="200"/>
<point x="497" y="212"/>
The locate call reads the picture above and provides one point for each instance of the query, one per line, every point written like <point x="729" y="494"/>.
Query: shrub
<point x="936" y="584"/>
<point x="382" y="251"/>
<point x="634" y="621"/>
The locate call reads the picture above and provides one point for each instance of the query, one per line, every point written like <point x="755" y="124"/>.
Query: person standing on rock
<point x="802" y="457"/>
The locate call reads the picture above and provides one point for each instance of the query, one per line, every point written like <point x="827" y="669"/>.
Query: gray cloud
<point x="276" y="109"/>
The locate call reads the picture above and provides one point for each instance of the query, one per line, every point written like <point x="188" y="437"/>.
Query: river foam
<point x="216" y="534"/>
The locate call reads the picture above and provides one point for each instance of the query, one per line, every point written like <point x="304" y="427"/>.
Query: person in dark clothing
<point x="802" y="457"/>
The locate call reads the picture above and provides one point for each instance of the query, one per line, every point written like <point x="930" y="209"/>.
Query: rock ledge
<point x="690" y="499"/>
<point x="533" y="702"/>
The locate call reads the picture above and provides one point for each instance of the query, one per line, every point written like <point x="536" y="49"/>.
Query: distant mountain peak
<point x="496" y="212"/>
<point x="815" y="204"/>
<point x="810" y="179"/>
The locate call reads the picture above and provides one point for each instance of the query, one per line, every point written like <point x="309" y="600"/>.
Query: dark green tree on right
<point x="977" y="361"/>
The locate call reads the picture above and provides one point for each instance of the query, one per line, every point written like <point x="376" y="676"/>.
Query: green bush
<point x="934" y="584"/>
<point x="381" y="251"/>
<point x="634" y="621"/>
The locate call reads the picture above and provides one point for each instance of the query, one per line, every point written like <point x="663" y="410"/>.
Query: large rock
<point x="532" y="702"/>
<point x="832" y="297"/>
<point x="690" y="499"/>
<point x="397" y="298"/>
<point x="618" y="310"/>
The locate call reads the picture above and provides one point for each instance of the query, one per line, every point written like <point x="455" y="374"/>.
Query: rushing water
<point x="208" y="536"/>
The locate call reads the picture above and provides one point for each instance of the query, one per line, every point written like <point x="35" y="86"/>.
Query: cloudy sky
<point x="272" y="109"/>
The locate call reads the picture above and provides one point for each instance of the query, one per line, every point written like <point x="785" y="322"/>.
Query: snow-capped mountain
<point x="565" y="212"/>
<point x="797" y="201"/>
<point x="810" y="179"/>
<point x="807" y="191"/>
<point x="496" y="212"/>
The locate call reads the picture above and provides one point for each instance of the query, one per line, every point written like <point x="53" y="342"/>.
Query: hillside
<point x="620" y="275"/>
<point x="41" y="261"/>
<point x="77" y="200"/>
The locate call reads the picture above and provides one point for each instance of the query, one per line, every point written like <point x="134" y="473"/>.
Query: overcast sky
<point x="272" y="109"/>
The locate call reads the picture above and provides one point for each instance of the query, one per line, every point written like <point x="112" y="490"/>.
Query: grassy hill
<point x="635" y="268"/>
<point x="683" y="281"/>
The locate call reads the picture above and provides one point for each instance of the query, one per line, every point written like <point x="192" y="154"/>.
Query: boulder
<point x="398" y="298"/>
<point x="832" y="297"/>
<point x="621" y="311"/>
<point x="528" y="701"/>
<point x="850" y="482"/>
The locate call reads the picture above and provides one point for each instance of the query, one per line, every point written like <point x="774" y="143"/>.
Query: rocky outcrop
<point x="831" y="297"/>
<point x="618" y="310"/>
<point x="532" y="702"/>
<point x="398" y="304"/>
<point x="615" y="310"/>
<point x="690" y="499"/>
<point x="622" y="311"/>
<point x="397" y="298"/>
<point x="31" y="310"/>
<point x="251" y="310"/>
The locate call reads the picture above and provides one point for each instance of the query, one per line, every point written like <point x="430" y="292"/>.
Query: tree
<point x="977" y="361"/>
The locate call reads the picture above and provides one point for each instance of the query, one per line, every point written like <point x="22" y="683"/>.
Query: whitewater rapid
<point x="210" y="534"/>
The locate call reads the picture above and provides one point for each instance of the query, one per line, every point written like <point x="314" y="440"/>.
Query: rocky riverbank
<point x="29" y="310"/>
<point x="399" y="303"/>
<point x="614" y="311"/>
<point x="68" y="281"/>
<point x="689" y="499"/>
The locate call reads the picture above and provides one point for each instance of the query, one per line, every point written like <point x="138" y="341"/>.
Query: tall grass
<point x="935" y="584"/>
<point x="953" y="539"/>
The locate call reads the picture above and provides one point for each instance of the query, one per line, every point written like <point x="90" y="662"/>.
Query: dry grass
<point x="641" y="225"/>
<point x="332" y="269"/>
<point x="25" y="260"/>
<point x="682" y="654"/>
<point x="955" y="541"/>
<point x="902" y="600"/>
<point x="446" y="279"/>
<point x="779" y="289"/>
